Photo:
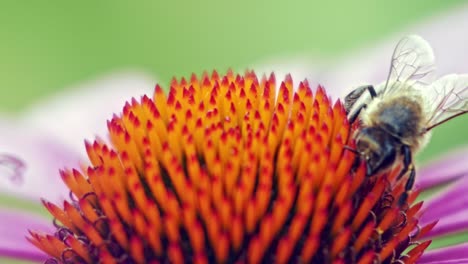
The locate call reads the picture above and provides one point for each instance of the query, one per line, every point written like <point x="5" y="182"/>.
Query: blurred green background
<point x="46" y="46"/>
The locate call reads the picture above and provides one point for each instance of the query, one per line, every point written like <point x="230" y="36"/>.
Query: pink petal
<point x="42" y="156"/>
<point x="458" y="252"/>
<point x="13" y="229"/>
<point x="453" y="261"/>
<point x="448" y="168"/>
<point x="81" y="112"/>
<point x="450" y="224"/>
<point x="448" y="202"/>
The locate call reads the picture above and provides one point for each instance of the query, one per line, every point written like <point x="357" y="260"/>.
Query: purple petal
<point x="13" y="228"/>
<point x="453" y="261"/>
<point x="448" y="168"/>
<point x="41" y="156"/>
<point x="81" y="112"/>
<point x="450" y="224"/>
<point x="55" y="130"/>
<point x="451" y="201"/>
<point x="458" y="252"/>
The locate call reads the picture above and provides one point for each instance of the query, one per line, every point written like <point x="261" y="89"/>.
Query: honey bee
<point x="398" y="115"/>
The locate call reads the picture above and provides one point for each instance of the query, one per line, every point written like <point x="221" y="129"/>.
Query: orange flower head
<point x="231" y="169"/>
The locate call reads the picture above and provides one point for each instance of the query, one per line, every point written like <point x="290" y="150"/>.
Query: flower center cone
<point x="231" y="169"/>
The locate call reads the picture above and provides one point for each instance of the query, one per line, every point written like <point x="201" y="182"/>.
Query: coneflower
<point x="225" y="169"/>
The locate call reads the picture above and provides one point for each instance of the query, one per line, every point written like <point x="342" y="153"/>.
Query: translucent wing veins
<point x="411" y="64"/>
<point x="449" y="99"/>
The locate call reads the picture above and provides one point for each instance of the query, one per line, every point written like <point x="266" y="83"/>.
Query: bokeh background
<point x="46" y="47"/>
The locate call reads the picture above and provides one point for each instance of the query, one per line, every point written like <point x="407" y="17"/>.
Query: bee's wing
<point x="412" y="64"/>
<point x="447" y="98"/>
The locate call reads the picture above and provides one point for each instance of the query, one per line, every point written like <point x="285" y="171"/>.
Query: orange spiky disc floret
<point x="224" y="170"/>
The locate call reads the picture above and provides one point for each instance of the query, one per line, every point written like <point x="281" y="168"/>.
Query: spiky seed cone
<point x="224" y="171"/>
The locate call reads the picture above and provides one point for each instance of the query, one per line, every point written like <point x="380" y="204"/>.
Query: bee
<point x="398" y="115"/>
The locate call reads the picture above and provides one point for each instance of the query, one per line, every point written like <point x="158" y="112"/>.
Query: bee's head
<point x="377" y="147"/>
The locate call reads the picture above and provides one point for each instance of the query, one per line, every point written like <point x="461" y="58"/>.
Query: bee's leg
<point x="407" y="160"/>
<point x="408" y="186"/>
<point x="407" y="166"/>
<point x="353" y="117"/>
<point x="353" y="96"/>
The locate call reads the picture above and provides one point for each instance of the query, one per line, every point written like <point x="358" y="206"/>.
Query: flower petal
<point x="81" y="112"/>
<point x="445" y="169"/>
<point x="41" y="155"/>
<point x="456" y="253"/>
<point x="453" y="261"/>
<point x="13" y="243"/>
<point x="450" y="224"/>
<point x="451" y="201"/>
